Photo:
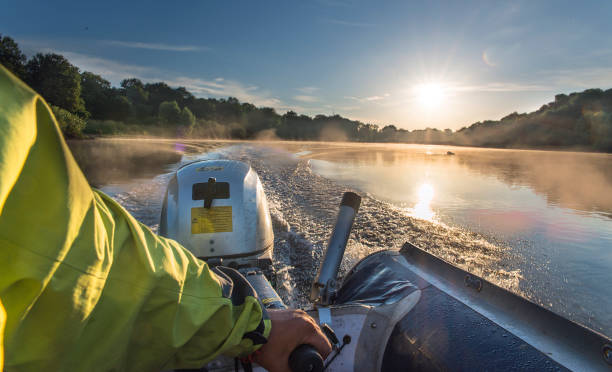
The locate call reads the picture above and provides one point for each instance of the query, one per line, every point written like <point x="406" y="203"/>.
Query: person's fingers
<point x="317" y="338"/>
<point x="290" y="328"/>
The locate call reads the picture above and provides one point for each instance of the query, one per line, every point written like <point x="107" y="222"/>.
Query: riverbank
<point x="271" y="138"/>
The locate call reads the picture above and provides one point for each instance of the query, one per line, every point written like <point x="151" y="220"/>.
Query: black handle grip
<point x="305" y="358"/>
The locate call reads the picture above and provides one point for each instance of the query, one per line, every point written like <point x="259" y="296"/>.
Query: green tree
<point x="96" y="92"/>
<point x="187" y="118"/>
<point x="71" y="125"/>
<point x="388" y="133"/>
<point x="186" y="98"/>
<point x="228" y="110"/>
<point x="169" y="113"/>
<point x="135" y="91"/>
<point x="121" y="107"/>
<point x="368" y="132"/>
<point x="261" y="119"/>
<point x="57" y="80"/>
<point x="203" y="108"/>
<point x="161" y="92"/>
<point x="11" y="56"/>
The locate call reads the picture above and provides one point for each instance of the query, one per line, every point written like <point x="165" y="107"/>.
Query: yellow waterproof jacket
<point x="86" y="287"/>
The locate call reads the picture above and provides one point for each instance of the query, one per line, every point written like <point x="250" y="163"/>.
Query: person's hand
<point x="290" y="329"/>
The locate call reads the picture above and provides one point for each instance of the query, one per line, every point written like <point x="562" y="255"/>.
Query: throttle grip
<point x="305" y="358"/>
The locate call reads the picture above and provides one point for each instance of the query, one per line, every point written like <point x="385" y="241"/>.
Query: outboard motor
<point x="217" y="209"/>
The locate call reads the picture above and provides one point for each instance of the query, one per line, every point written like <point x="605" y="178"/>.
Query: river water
<point x="536" y="222"/>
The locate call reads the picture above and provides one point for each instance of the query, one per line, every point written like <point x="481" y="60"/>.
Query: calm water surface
<point x="552" y="210"/>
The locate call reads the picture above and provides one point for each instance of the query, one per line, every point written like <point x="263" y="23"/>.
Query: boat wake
<point x="303" y="207"/>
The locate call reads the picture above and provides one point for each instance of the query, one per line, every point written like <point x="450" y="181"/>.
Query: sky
<point x="407" y="63"/>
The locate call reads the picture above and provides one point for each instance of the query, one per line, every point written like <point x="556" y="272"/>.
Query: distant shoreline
<point x="280" y="140"/>
<point x="85" y="104"/>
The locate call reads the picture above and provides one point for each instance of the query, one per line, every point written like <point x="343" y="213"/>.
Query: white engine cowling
<point x="217" y="209"/>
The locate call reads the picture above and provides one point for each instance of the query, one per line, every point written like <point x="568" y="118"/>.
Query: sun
<point x="430" y="95"/>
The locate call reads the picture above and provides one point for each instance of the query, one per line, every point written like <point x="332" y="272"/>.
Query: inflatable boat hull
<point x="435" y="316"/>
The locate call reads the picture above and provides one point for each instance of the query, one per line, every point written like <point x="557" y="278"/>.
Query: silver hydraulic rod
<point x="324" y="286"/>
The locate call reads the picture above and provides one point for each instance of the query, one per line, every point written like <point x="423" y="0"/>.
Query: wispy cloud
<point x="375" y="98"/>
<point x="341" y="108"/>
<point x="305" y="98"/>
<point x="498" y="87"/>
<point x="342" y="22"/>
<point x="111" y="70"/>
<point x="307" y="94"/>
<point x="369" y="98"/>
<point x="155" y="46"/>
<point x="218" y="87"/>
<point x="227" y="88"/>
<point x="307" y="90"/>
<point x="547" y="80"/>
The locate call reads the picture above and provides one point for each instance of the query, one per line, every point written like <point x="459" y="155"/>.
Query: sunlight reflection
<point x="422" y="208"/>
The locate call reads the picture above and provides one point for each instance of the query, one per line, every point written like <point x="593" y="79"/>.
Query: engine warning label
<point x="211" y="220"/>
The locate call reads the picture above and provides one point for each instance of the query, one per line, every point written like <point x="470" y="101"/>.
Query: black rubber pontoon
<point x="457" y="321"/>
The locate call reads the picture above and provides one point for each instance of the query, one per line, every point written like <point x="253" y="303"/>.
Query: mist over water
<point x="553" y="210"/>
<point x="538" y="223"/>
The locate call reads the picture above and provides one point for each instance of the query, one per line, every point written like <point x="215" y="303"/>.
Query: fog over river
<point x="536" y="222"/>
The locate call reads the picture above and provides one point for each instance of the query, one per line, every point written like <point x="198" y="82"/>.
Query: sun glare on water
<point x="430" y="95"/>
<point x="422" y="208"/>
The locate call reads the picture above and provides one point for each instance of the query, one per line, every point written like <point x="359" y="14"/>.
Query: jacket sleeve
<point x="87" y="287"/>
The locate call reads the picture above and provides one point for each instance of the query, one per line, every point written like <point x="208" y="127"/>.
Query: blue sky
<point x="411" y="64"/>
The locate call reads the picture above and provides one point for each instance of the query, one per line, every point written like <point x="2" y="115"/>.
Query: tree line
<point x="86" y="103"/>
